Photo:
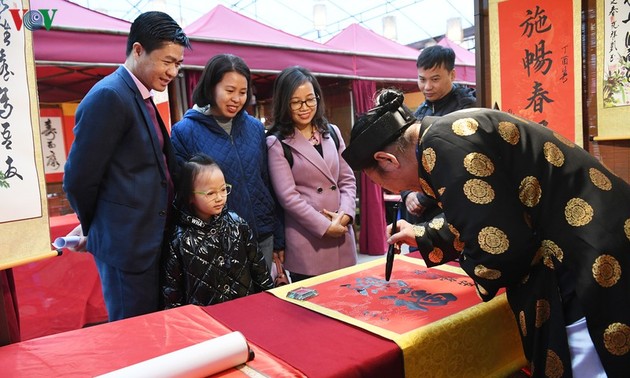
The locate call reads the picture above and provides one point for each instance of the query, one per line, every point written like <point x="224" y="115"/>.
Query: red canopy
<point x="84" y="45"/>
<point x="79" y="35"/>
<point x="376" y="57"/>
<point x="263" y="48"/>
<point x="81" y="47"/>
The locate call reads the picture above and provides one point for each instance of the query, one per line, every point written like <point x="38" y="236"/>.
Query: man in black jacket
<point x="436" y="73"/>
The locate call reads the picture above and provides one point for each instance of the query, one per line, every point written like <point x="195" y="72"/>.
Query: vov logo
<point x="33" y="19"/>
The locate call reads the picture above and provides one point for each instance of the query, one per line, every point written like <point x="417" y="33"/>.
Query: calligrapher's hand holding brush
<point x="404" y="235"/>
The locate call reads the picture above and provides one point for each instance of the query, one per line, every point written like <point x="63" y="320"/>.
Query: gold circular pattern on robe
<point x="549" y="249"/>
<point x="553" y="368"/>
<point x="578" y="212"/>
<point x="465" y="126"/>
<point x="529" y="191"/>
<point x="493" y="240"/>
<point x="563" y="140"/>
<point x="478" y="191"/>
<point x="553" y="154"/>
<point x="453" y="230"/>
<point x="626" y="228"/>
<point x="599" y="179"/>
<point x="426" y="188"/>
<point x="509" y="132"/>
<point x="617" y="339"/>
<point x="457" y="244"/>
<point x="428" y="159"/>
<point x="436" y="223"/>
<point x="542" y="312"/>
<point x="436" y="255"/>
<point x="478" y="164"/>
<point x="441" y="191"/>
<point x="606" y="270"/>
<point x="482" y="290"/>
<point x="522" y="323"/>
<point x="487" y="273"/>
<point x="418" y="231"/>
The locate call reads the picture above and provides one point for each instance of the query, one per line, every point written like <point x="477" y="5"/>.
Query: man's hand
<point x="405" y="234"/>
<point x="413" y="205"/>
<point x="336" y="228"/>
<point x="78" y="231"/>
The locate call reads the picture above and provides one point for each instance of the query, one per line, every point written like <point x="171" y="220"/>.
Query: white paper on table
<point x="199" y="360"/>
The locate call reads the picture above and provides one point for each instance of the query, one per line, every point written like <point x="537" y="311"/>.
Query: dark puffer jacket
<point x="212" y="262"/>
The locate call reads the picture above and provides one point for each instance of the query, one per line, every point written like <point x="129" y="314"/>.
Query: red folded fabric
<point x="316" y="345"/>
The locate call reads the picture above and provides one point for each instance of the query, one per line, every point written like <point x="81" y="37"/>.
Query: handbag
<point x="279" y="275"/>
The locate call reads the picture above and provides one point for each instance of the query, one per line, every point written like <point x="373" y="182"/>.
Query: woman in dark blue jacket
<point x="219" y="127"/>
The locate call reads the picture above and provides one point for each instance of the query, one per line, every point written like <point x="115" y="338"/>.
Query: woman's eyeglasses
<point x="212" y="195"/>
<point x="297" y="104"/>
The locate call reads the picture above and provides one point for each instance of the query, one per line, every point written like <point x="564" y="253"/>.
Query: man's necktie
<point x="160" y="130"/>
<point x="156" y="121"/>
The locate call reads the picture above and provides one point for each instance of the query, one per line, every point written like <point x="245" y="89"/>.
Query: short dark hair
<point x="213" y="73"/>
<point x="434" y="56"/>
<point x="153" y="29"/>
<point x="187" y="175"/>
<point x="283" y="88"/>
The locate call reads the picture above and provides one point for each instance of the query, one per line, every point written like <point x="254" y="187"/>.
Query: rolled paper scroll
<point x="66" y="242"/>
<point x="199" y="360"/>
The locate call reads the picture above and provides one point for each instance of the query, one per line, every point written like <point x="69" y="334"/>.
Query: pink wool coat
<point x="312" y="184"/>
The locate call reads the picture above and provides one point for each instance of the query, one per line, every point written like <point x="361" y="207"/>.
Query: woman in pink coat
<point x="315" y="187"/>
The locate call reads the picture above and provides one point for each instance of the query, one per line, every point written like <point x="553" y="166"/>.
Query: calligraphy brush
<point x="391" y="251"/>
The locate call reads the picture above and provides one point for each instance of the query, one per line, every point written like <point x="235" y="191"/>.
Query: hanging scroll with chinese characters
<point x="23" y="209"/>
<point x="18" y="172"/>
<point x="536" y="50"/>
<point x="53" y="146"/>
<point x="613" y="70"/>
<point x="616" y="82"/>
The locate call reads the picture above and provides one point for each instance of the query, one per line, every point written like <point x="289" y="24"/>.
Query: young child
<point x="212" y="255"/>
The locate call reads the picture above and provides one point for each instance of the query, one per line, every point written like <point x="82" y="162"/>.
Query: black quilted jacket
<point x="212" y="262"/>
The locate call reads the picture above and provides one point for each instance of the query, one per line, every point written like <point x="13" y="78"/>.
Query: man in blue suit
<point x="120" y="171"/>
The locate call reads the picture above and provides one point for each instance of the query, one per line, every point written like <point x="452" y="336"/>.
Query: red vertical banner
<point x="536" y="42"/>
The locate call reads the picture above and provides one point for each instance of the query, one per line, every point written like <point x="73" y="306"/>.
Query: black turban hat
<point x="377" y="128"/>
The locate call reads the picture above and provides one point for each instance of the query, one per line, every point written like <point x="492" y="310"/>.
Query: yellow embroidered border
<point x="481" y="341"/>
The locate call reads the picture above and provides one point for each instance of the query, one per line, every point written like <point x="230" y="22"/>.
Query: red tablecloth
<point x="100" y="349"/>
<point x="314" y="344"/>
<point x="61" y="293"/>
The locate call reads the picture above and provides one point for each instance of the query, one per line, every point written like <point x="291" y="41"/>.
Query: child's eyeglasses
<point x="211" y="195"/>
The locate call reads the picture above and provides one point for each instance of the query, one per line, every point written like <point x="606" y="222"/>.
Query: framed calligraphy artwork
<point x="613" y="73"/>
<point x="616" y="80"/>
<point x="53" y="143"/>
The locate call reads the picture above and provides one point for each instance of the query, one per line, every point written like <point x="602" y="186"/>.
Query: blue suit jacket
<point x="115" y="175"/>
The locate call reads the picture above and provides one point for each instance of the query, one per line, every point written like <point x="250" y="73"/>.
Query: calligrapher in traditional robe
<point x="525" y="209"/>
